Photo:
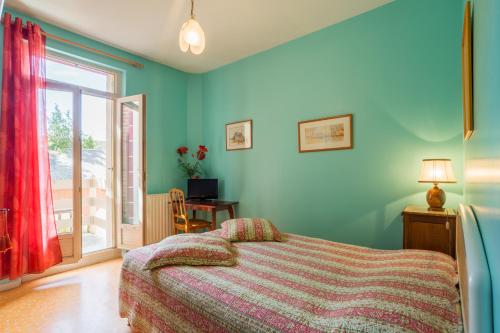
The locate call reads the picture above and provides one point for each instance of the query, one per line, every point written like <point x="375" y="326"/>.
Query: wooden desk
<point x="211" y="206"/>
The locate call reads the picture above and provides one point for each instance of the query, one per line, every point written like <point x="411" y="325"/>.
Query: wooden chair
<point x="181" y="218"/>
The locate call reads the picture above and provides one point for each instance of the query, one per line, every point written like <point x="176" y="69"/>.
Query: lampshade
<point x="436" y="171"/>
<point x="192" y="37"/>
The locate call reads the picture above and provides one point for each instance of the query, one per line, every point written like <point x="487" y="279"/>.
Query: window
<point x="72" y="73"/>
<point x="79" y="105"/>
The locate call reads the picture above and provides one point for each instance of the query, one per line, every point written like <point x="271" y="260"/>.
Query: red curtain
<point x="25" y="184"/>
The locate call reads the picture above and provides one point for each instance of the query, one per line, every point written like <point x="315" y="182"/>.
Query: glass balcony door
<point x="80" y="125"/>
<point x="80" y="136"/>
<point x="62" y="104"/>
<point x="97" y="158"/>
<point x="131" y="176"/>
<point x="97" y="173"/>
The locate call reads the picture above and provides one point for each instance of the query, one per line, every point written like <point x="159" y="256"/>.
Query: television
<point x="203" y="189"/>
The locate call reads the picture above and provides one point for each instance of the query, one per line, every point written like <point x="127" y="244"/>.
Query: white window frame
<point x="74" y="239"/>
<point x="59" y="57"/>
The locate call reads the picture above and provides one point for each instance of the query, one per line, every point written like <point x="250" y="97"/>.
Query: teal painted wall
<point x="482" y="151"/>
<point x="194" y="111"/>
<point x="396" y="69"/>
<point x="166" y="99"/>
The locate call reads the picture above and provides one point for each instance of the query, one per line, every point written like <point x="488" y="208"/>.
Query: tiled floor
<point x="83" y="300"/>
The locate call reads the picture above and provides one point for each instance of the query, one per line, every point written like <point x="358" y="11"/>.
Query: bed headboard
<point x="474" y="274"/>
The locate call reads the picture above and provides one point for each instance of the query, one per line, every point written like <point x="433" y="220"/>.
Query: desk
<point x="212" y="206"/>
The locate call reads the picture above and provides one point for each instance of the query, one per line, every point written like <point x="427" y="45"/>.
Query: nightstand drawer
<point x="429" y="236"/>
<point x="429" y="230"/>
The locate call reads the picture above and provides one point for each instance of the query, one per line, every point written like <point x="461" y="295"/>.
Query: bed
<point x="300" y="285"/>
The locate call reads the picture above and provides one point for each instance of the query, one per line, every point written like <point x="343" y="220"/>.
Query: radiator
<point x="158" y="218"/>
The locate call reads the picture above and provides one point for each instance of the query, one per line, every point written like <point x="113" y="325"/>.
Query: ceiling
<point x="234" y="29"/>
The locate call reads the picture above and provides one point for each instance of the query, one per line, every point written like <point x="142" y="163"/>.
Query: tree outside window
<point x="60" y="132"/>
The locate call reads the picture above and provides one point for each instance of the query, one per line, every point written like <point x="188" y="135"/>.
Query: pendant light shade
<point x="192" y="36"/>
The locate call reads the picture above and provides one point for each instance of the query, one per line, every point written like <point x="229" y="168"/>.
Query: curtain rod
<point x="91" y="49"/>
<point x="94" y="50"/>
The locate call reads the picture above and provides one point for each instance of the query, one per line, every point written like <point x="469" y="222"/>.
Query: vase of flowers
<point x="191" y="164"/>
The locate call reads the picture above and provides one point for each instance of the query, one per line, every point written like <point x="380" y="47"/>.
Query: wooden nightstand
<point x="429" y="230"/>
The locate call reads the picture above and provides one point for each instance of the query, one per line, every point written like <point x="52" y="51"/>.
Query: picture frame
<point x="467" y="87"/>
<point x="331" y="133"/>
<point x="239" y="135"/>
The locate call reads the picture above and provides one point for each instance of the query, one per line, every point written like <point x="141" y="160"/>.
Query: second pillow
<point x="250" y="230"/>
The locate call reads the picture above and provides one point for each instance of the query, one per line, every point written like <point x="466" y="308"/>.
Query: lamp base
<point x="430" y="209"/>
<point x="436" y="198"/>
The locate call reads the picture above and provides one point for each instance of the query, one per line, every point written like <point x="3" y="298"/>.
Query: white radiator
<point x="158" y="218"/>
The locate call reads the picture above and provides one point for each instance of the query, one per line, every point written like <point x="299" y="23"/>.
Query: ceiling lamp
<point x="192" y="36"/>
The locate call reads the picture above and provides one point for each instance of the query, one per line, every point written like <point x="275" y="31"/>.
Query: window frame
<point x="79" y="63"/>
<point x="75" y="237"/>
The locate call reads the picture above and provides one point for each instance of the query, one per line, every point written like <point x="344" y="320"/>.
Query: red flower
<point x="201" y="155"/>
<point x="182" y="150"/>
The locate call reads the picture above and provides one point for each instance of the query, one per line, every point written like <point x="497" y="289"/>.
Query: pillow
<point x="192" y="249"/>
<point x="250" y="230"/>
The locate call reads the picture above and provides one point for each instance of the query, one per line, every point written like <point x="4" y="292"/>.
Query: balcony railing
<point x="96" y="210"/>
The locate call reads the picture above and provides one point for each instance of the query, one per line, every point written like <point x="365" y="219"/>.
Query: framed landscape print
<point x="239" y="135"/>
<point x="330" y="133"/>
<point x="467" y="74"/>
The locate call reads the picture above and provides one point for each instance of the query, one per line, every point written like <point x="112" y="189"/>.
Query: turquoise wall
<point x="166" y="100"/>
<point x="482" y="151"/>
<point x="396" y="69"/>
<point x="194" y="111"/>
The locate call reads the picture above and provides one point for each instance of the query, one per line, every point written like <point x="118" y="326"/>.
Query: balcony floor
<point x="93" y="242"/>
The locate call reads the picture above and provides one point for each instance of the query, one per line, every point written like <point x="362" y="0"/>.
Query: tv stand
<point x="201" y="200"/>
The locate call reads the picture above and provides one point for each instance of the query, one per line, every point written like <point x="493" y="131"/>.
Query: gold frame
<point x="251" y="134"/>
<point x="327" y="118"/>
<point x="467" y="85"/>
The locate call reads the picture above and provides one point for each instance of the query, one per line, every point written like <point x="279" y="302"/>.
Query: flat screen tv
<point x="203" y="189"/>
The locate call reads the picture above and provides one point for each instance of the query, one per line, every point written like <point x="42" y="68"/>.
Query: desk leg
<point x="214" y="219"/>
<point x="231" y="212"/>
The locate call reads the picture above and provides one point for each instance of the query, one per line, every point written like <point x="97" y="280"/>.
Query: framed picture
<point x="330" y="133"/>
<point x="467" y="74"/>
<point x="239" y="135"/>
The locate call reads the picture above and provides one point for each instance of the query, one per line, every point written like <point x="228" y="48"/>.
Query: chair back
<point x="176" y="197"/>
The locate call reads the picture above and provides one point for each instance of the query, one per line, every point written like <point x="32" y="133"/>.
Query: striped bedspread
<point x="299" y="285"/>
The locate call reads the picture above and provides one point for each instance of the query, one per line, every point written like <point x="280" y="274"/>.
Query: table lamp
<point x="436" y="170"/>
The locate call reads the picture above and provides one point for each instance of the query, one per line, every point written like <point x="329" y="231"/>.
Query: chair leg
<point x="213" y="224"/>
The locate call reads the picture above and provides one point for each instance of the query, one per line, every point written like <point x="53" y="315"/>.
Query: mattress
<point x="302" y="284"/>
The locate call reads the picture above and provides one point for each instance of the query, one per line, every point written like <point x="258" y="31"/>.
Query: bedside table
<point x="429" y="230"/>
